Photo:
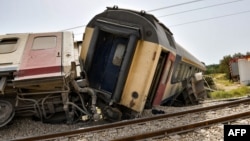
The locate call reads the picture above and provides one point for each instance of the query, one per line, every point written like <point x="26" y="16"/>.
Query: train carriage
<point x="130" y="58"/>
<point x="39" y="66"/>
<point x="128" y="61"/>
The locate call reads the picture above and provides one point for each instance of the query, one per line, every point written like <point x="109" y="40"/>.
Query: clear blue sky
<point x="209" y="33"/>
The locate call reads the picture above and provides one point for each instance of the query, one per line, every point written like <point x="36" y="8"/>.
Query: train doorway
<point x="161" y="79"/>
<point x="107" y="61"/>
<point x="109" y="57"/>
<point x="42" y="55"/>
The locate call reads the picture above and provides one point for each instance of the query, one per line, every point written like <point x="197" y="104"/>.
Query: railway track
<point x="156" y="126"/>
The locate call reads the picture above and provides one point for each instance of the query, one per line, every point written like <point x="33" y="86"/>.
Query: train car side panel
<point x="67" y="52"/>
<point x="11" y="50"/>
<point x="42" y="56"/>
<point x="140" y="75"/>
<point x="86" y="42"/>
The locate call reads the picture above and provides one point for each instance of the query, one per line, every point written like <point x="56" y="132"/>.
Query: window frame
<point x="40" y="45"/>
<point x="8" y="42"/>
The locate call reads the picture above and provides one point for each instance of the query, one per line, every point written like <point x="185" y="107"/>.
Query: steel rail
<point x="133" y="121"/>
<point x="184" y="128"/>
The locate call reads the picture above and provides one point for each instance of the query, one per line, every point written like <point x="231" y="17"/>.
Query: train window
<point x="8" y="45"/>
<point x="118" y="56"/>
<point x="176" y="73"/>
<point x="170" y="40"/>
<point x="181" y="71"/>
<point x="190" y="71"/>
<point x="44" y="42"/>
<point x="185" y="75"/>
<point x="193" y="71"/>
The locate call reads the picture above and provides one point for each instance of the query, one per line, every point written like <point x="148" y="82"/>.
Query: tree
<point x="214" y="68"/>
<point x="238" y="55"/>
<point x="224" y="66"/>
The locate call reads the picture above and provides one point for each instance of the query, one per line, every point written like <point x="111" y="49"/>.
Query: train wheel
<point x="6" y="112"/>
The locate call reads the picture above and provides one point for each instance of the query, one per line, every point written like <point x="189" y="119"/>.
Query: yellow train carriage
<point x="128" y="57"/>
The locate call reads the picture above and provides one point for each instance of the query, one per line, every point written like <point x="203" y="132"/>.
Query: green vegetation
<point x="226" y="88"/>
<point x="241" y="91"/>
<point x="220" y="73"/>
<point x="221" y="79"/>
<point x="223" y="66"/>
<point x="211" y="69"/>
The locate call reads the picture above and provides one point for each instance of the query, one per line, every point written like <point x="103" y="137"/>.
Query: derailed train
<point x="128" y="61"/>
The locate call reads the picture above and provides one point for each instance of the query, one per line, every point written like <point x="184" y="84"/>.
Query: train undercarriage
<point x="72" y="102"/>
<point x="75" y="101"/>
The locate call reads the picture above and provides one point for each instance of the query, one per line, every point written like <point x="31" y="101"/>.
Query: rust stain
<point x="132" y="103"/>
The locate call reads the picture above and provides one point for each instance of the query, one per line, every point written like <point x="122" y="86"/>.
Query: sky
<point x="208" y="29"/>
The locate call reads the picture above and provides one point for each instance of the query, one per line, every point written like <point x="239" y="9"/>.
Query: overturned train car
<point x="128" y="61"/>
<point x="35" y="71"/>
<point x="133" y="61"/>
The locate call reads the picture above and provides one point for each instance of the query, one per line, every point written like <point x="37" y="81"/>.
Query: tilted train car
<point x="128" y="61"/>
<point x="132" y="60"/>
<point x="34" y="72"/>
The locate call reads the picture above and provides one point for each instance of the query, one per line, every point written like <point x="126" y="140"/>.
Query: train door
<point x="107" y="61"/>
<point x="164" y="77"/>
<point x="42" y="55"/>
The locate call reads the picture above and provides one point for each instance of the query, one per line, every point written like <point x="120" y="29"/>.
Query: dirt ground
<point x="221" y="83"/>
<point x="221" y="86"/>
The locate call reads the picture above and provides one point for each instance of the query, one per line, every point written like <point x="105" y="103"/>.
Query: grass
<point x="224" y="85"/>
<point x="220" y="78"/>
<point x="239" y="92"/>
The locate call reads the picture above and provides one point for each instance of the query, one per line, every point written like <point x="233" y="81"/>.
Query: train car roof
<point x="189" y="58"/>
<point x="148" y="26"/>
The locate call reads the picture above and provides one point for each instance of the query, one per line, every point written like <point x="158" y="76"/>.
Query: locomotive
<point x="128" y="61"/>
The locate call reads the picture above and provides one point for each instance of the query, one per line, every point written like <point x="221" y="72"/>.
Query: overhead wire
<point x="196" y="21"/>
<point x="205" y="7"/>
<point x="180" y="4"/>
<point x="176" y="5"/>
<point x="73" y="27"/>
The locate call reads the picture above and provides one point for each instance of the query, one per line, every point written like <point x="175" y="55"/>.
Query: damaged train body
<point x="128" y="61"/>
